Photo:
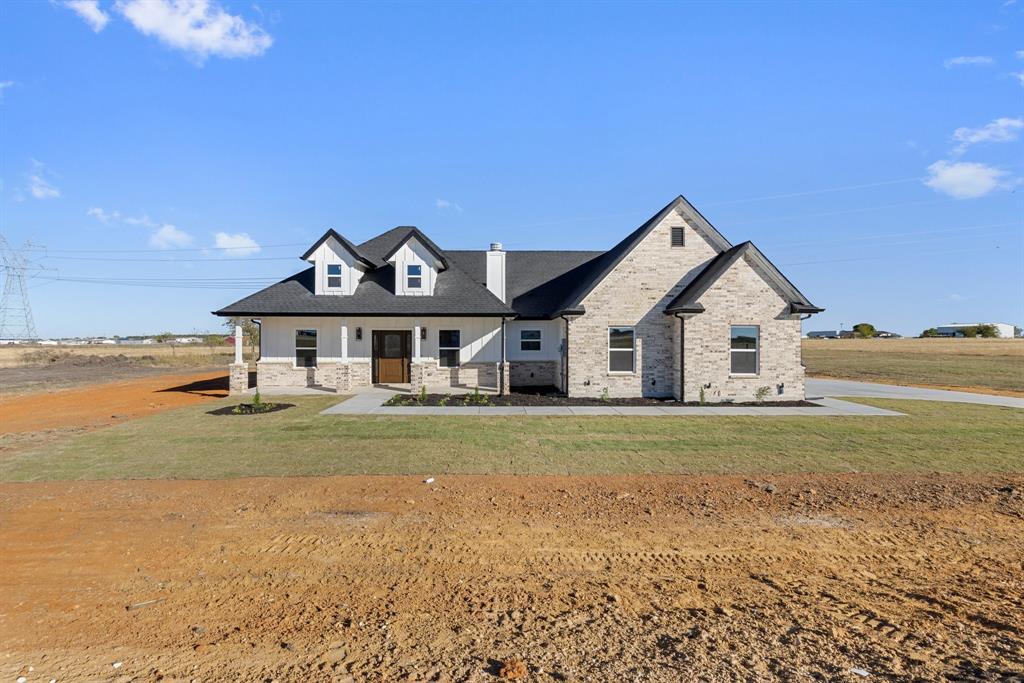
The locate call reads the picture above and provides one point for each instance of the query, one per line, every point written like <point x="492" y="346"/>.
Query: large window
<point x="620" y="349"/>
<point x="414" y="277"/>
<point x="305" y="348"/>
<point x="448" y="348"/>
<point x="744" y="342"/>
<point x="529" y="340"/>
<point x="334" y="275"/>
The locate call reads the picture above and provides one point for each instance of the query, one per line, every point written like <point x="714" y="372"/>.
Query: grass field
<point x="981" y="364"/>
<point x="190" y="355"/>
<point x="188" y="443"/>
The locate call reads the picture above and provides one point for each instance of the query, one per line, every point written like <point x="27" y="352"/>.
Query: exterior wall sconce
<point x="359" y="334"/>
<point x="423" y="333"/>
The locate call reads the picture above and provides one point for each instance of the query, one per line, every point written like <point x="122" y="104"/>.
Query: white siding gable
<point x="331" y="252"/>
<point x="413" y="253"/>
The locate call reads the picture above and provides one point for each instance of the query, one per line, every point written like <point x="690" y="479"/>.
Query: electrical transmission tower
<point x="15" y="310"/>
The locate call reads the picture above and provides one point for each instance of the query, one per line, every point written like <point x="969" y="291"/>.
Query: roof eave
<point x="804" y="308"/>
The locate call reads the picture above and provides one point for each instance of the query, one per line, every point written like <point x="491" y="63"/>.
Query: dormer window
<point x="334" y="275"/>
<point x="414" y="277"/>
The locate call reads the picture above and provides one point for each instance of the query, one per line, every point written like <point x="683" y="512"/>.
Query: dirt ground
<point x="606" y="578"/>
<point x="46" y="415"/>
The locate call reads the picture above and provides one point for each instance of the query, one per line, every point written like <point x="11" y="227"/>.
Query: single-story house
<point x="1005" y="330"/>
<point x="673" y="310"/>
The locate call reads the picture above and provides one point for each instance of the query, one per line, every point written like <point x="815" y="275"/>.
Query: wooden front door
<point x="392" y="353"/>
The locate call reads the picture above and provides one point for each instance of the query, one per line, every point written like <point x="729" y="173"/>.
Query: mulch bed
<point x="517" y="398"/>
<point x="247" y="409"/>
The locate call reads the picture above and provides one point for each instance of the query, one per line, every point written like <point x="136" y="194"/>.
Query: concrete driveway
<point x="843" y="387"/>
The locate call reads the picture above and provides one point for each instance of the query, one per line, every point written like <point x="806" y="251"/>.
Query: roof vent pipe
<point x="496" y="271"/>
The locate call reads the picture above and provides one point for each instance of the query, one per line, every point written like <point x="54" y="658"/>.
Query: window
<point x="620" y="349"/>
<point x="678" y="237"/>
<point x="744" y="349"/>
<point x="529" y="340"/>
<point x="448" y="348"/>
<point x="334" y="275"/>
<point x="305" y="348"/>
<point x="414" y="278"/>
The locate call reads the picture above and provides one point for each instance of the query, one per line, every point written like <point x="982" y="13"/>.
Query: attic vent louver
<point x="678" y="238"/>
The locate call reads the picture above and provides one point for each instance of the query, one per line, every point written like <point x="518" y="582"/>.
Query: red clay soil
<point x="101" y="405"/>
<point x="653" y="578"/>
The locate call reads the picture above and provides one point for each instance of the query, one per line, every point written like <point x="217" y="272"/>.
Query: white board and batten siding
<point x="413" y="253"/>
<point x="332" y="253"/>
<point x="480" y="338"/>
<point x="551" y="332"/>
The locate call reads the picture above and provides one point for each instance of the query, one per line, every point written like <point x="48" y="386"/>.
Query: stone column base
<point x="504" y="378"/>
<point x="238" y="381"/>
<point x="417" y="377"/>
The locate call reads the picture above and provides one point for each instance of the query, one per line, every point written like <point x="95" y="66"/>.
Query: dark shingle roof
<point x="344" y="242"/>
<point x="540" y="284"/>
<point x="455" y="293"/>
<point x="687" y="301"/>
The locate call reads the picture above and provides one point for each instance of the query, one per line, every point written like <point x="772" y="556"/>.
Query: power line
<point x="16" y="321"/>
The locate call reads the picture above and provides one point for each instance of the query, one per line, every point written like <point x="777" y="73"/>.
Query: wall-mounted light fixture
<point x="423" y="333"/>
<point x="359" y="334"/>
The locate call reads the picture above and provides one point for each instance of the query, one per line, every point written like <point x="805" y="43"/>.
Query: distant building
<point x="825" y="334"/>
<point x="1005" y="330"/>
<point x="48" y="342"/>
<point x="187" y="340"/>
<point x="883" y="334"/>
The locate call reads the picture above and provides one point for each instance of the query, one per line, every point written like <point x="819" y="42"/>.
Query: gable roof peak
<point x="413" y="232"/>
<point x="351" y="248"/>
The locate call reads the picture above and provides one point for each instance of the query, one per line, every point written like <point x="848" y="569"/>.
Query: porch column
<point x="238" y="375"/>
<point x="344" y="341"/>
<point x="238" y="341"/>
<point x="416" y="341"/>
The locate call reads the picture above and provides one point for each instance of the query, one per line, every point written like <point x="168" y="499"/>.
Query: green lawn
<point x="189" y="444"/>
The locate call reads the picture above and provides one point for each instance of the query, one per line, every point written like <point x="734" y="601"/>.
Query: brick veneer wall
<point x="742" y="297"/>
<point x="635" y="293"/>
<point x="271" y="374"/>
<point x="468" y="374"/>
<point x="524" y="373"/>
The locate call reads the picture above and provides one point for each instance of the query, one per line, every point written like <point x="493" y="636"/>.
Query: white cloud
<point x="1003" y="129"/>
<point x="956" y="298"/>
<point x="979" y="60"/>
<point x="199" y="27"/>
<point x="1019" y="75"/>
<point x="144" y="221"/>
<point x="962" y="179"/>
<point x="1019" y="54"/>
<point x="444" y="204"/>
<point x="168" y="237"/>
<point x="239" y="244"/>
<point x="38" y="185"/>
<point x="103" y="216"/>
<point x="90" y="12"/>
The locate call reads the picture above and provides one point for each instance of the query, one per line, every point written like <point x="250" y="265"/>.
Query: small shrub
<point x="702" y="399"/>
<point x="762" y="393"/>
<point x="423" y="395"/>
<point x="604" y="395"/>
<point x="257" y="400"/>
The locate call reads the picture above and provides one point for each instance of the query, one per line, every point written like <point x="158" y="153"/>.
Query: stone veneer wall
<point x="525" y="373"/>
<point x="635" y="294"/>
<point x="742" y="297"/>
<point x="238" y="378"/>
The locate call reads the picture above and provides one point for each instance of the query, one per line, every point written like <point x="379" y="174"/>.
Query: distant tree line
<point x="986" y="331"/>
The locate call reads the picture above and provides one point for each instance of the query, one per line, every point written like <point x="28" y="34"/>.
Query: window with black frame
<point x="305" y="348"/>
<point x="334" y="275"/>
<point x="414" y="278"/>
<point x="621" y="349"/>
<point x="448" y="347"/>
<point x="743" y="348"/>
<point x="529" y="340"/>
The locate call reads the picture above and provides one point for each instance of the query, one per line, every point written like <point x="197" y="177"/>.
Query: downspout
<point x="565" y="364"/>
<point x="502" y="389"/>
<point x="682" y="357"/>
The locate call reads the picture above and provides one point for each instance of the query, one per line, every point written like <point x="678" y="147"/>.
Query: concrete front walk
<point x="843" y="387"/>
<point x="369" y="403"/>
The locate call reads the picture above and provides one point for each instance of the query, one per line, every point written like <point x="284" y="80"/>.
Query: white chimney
<point x="496" y="270"/>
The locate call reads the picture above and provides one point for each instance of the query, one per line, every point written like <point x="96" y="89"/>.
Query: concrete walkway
<point x="369" y="403"/>
<point x="842" y="387"/>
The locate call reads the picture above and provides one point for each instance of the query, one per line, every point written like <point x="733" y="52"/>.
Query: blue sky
<point x="872" y="151"/>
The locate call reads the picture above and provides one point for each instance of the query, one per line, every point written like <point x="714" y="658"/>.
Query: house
<point x="885" y="334"/>
<point x="1005" y="330"/>
<point x="825" y="334"/>
<point x="673" y="310"/>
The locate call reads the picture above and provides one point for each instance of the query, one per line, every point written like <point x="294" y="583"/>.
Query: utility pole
<point x="15" y="309"/>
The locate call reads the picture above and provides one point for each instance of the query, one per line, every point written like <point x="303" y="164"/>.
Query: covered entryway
<point x="392" y="356"/>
